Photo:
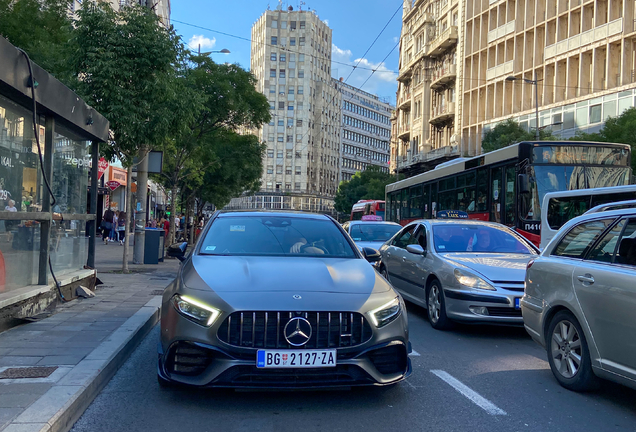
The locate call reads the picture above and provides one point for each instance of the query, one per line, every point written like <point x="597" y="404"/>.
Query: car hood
<point x="496" y="267"/>
<point x="243" y="274"/>
<point x="371" y="244"/>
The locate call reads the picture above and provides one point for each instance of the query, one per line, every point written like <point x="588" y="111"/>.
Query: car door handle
<point x="586" y="278"/>
<point x="388" y="254"/>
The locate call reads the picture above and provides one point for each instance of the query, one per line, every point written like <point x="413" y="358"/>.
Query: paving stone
<point x="19" y="361"/>
<point x="13" y="400"/>
<point x="56" y="360"/>
<point x="7" y="414"/>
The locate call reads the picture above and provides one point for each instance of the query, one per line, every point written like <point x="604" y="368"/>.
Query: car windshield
<point x="373" y="232"/>
<point x="477" y="238"/>
<point x="277" y="236"/>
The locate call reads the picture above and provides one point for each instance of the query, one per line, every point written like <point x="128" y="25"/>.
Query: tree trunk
<point x="173" y="213"/>
<point x="127" y="208"/>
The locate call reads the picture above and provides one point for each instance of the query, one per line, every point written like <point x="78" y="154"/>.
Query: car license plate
<point x="295" y="358"/>
<point x="518" y="303"/>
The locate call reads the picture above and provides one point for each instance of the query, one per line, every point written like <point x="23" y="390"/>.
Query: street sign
<point x="102" y="166"/>
<point x="112" y="185"/>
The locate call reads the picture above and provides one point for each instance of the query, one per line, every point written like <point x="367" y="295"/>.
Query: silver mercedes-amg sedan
<point x="280" y="300"/>
<point x="459" y="270"/>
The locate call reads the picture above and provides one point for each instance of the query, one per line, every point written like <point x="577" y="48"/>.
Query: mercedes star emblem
<point x="297" y="331"/>
<point x="297" y="297"/>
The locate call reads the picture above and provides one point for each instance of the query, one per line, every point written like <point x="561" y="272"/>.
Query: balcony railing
<point x="443" y="76"/>
<point x="444" y="41"/>
<point x="442" y="113"/>
<point x="502" y="69"/>
<point x="404" y="99"/>
<point x="501" y="31"/>
<point x="587" y="37"/>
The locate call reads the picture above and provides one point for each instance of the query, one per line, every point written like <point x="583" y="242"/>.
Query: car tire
<point x="436" y="306"/>
<point x="566" y="346"/>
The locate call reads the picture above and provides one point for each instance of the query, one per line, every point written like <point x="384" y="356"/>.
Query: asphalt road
<point x="469" y="379"/>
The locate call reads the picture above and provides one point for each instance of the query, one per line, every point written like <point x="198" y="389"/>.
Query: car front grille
<point x="504" y="312"/>
<point x="389" y="360"/>
<point x="185" y="358"/>
<point x="266" y="329"/>
<point x="510" y="285"/>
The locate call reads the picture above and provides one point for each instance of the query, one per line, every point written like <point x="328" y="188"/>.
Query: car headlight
<point x="386" y="313"/>
<point x="472" y="281"/>
<point x="195" y="311"/>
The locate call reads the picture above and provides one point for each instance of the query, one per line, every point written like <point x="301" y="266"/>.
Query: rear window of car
<point x="371" y="232"/>
<point x="580" y="239"/>
<point x="275" y="236"/>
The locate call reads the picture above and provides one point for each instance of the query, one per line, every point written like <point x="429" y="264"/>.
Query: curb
<point x="63" y="404"/>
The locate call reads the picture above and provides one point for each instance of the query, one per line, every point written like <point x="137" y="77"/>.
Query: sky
<point x="355" y="25"/>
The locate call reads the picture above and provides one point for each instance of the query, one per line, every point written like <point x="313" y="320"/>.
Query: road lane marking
<point x="414" y="353"/>
<point x="472" y="395"/>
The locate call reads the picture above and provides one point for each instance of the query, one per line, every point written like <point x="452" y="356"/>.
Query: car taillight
<point x="529" y="264"/>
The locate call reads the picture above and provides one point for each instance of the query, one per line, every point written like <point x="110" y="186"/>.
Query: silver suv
<point x="580" y="300"/>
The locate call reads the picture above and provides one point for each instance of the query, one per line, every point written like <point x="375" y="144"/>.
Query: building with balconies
<point x="581" y="52"/>
<point x="427" y="110"/>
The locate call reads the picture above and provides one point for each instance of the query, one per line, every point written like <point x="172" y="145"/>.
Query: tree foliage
<point x="510" y="132"/>
<point x="368" y="184"/>
<point x="620" y="129"/>
<point x="43" y="29"/>
<point x="128" y="65"/>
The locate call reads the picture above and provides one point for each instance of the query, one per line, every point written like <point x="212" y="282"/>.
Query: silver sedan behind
<point x="459" y="270"/>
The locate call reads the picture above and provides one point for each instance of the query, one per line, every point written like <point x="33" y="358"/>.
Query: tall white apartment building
<point x="366" y="131"/>
<point x="291" y="59"/>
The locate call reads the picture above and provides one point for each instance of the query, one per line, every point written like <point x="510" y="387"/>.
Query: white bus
<point x="559" y="207"/>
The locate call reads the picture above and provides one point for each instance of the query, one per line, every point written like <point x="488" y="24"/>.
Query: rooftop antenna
<point x="300" y="8"/>
<point x="280" y="5"/>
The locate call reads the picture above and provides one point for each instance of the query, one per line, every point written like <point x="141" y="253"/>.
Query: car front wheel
<point x="436" y="306"/>
<point x="568" y="353"/>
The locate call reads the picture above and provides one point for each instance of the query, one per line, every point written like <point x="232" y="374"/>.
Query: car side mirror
<point x="178" y="250"/>
<point x="371" y="254"/>
<point x="415" y="249"/>
<point x="523" y="184"/>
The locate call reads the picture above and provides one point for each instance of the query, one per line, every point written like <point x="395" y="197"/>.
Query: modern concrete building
<point x="427" y="113"/>
<point x="366" y="130"/>
<point x="291" y="59"/>
<point x="581" y="52"/>
<point x="466" y="65"/>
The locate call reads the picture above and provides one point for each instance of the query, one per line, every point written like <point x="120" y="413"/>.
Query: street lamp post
<point x="223" y="51"/>
<point x="535" y="83"/>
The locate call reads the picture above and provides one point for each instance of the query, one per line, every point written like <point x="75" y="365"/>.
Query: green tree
<point x="510" y="132"/>
<point x="368" y="184"/>
<point x="620" y="129"/>
<point x="129" y="68"/>
<point x="208" y="146"/>
<point x="43" y="29"/>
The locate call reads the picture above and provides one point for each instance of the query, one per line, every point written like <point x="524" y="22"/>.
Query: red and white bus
<point x="508" y="185"/>
<point x="368" y="210"/>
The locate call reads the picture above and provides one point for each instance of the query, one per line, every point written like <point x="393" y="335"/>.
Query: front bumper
<point x="194" y="355"/>
<point x="492" y="307"/>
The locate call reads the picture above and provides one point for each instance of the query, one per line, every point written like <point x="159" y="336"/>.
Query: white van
<point x="558" y="208"/>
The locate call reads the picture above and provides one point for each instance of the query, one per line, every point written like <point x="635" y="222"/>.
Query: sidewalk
<point x="51" y="370"/>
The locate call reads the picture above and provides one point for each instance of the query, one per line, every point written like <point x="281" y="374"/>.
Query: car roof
<point x="282" y="213"/>
<point x="458" y="221"/>
<point x="359" y="222"/>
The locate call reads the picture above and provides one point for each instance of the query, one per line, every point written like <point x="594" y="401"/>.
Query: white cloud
<point x="196" y="40"/>
<point x="383" y="80"/>
<point x="326" y="22"/>
<point x="396" y="39"/>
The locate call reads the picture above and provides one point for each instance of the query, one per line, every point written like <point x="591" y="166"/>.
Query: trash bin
<point x="154" y="245"/>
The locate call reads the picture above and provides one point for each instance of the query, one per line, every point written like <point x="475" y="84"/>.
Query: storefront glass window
<point x="20" y="172"/>
<point x="71" y="164"/>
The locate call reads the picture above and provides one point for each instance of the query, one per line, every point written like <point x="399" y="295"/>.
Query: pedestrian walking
<point x="107" y="224"/>
<point x="113" y="232"/>
<point x="121" y="228"/>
